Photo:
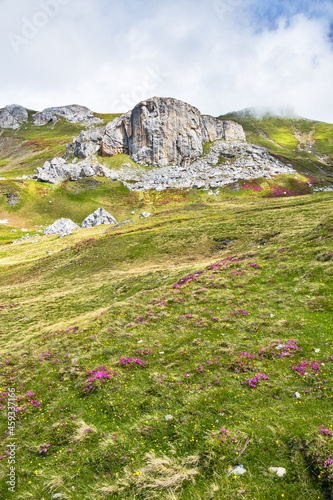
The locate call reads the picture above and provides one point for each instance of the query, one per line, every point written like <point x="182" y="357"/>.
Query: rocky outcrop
<point x="62" y="227"/>
<point x="213" y="129"/>
<point x="165" y="131"/>
<point x="99" y="217"/>
<point x="73" y="114"/>
<point x="226" y="163"/>
<point x="13" y="116"/>
<point x="86" y="144"/>
<point x="58" y="170"/>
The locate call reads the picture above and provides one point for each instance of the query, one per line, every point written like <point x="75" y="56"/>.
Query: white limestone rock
<point x="13" y="116"/>
<point x="239" y="470"/>
<point x="279" y="471"/>
<point x="59" y="170"/>
<point x="73" y="114"/>
<point x="99" y="217"/>
<point x="86" y="144"/>
<point x="165" y="131"/>
<point x="61" y="226"/>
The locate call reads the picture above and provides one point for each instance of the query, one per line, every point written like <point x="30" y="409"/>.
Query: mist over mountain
<point x="267" y="111"/>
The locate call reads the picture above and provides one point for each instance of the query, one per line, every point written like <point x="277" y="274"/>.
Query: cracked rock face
<point x="99" y="217"/>
<point x="61" y="226"/>
<point x="13" y="116"/>
<point x="73" y="114"/>
<point x="164" y="131"/>
<point x="86" y="144"/>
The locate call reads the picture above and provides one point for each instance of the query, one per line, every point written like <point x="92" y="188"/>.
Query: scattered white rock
<point x="145" y="214"/>
<point x="168" y="417"/>
<point x="162" y="352"/>
<point x="323" y="189"/>
<point x="60" y="226"/>
<point x="28" y="237"/>
<point x="317" y="350"/>
<point x="140" y="341"/>
<point x="243" y="162"/>
<point x="99" y="217"/>
<point x="238" y="471"/>
<point x="296" y="395"/>
<point x="4" y="221"/>
<point x="279" y="471"/>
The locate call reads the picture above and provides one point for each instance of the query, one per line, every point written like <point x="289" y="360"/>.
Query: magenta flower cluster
<point x="324" y="431"/>
<point x="253" y="188"/>
<point x="131" y="361"/>
<point x="253" y="382"/>
<point x="240" y="312"/>
<point x="281" y="349"/>
<point x="99" y="374"/>
<point x="44" y="448"/>
<point x="312" y="365"/>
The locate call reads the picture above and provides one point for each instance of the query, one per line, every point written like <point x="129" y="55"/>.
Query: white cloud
<point x="214" y="54"/>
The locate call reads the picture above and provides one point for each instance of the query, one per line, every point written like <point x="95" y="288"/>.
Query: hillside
<point x="153" y="359"/>
<point x="306" y="144"/>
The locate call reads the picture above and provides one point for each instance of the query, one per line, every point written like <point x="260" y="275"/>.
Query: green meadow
<point x="151" y="359"/>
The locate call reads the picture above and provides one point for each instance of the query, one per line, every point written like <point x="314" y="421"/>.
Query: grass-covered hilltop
<point x="183" y="355"/>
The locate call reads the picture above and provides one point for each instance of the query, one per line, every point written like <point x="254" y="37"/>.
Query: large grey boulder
<point x="73" y="114"/>
<point x="58" y="170"/>
<point x="61" y="226"/>
<point x="86" y="144"/>
<point x="52" y="171"/>
<point x="13" y="116"/>
<point x="99" y="217"/>
<point x="164" y="131"/>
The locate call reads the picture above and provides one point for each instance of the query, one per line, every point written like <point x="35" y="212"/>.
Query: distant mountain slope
<point x="306" y="144"/>
<point x="24" y="149"/>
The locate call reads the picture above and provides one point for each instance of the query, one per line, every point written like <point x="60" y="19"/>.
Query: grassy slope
<point x="121" y="445"/>
<point x="22" y="151"/>
<point x="117" y="292"/>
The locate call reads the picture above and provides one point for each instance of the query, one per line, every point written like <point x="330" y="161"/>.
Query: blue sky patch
<point x="266" y="14"/>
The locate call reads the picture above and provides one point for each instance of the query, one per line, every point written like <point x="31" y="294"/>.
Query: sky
<point x="218" y="55"/>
